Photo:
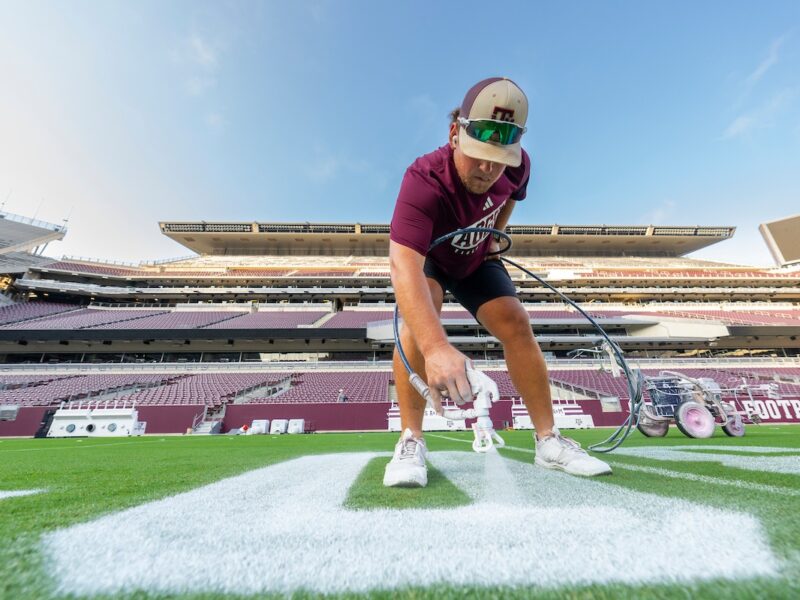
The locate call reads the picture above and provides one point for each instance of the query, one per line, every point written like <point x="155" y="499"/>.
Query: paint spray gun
<point x="484" y="393"/>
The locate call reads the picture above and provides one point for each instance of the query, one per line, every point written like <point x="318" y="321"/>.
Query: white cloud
<point x="739" y="126"/>
<point x="202" y="52"/>
<point x="762" y="116"/>
<point x="770" y="61"/>
<point x="199" y="59"/>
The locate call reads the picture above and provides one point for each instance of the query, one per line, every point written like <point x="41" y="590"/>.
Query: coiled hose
<point x="634" y="377"/>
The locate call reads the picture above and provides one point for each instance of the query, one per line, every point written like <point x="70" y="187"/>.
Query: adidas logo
<point x="489" y="204"/>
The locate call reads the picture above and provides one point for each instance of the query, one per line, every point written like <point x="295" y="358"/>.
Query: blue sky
<point x="118" y="115"/>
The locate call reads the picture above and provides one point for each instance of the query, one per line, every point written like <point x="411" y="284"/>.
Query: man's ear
<point x="453" y="135"/>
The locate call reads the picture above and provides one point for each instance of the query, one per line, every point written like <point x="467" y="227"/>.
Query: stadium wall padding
<point x="26" y="424"/>
<point x="169" y="419"/>
<point x="324" y="416"/>
<point x="332" y="416"/>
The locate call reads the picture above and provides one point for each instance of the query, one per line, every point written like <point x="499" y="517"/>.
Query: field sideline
<point x="725" y="489"/>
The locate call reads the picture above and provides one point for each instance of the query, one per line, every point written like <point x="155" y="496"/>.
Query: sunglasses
<point x="503" y="133"/>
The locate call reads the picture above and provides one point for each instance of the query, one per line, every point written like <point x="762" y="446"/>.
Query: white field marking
<point x="759" y="487"/>
<point x="283" y="529"/>
<point x="18" y="493"/>
<point x="787" y="464"/>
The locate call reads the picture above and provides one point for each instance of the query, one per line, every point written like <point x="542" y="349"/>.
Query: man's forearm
<point x="505" y="215"/>
<point x="416" y="306"/>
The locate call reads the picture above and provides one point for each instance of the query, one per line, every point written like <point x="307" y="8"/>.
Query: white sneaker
<point x="557" y="452"/>
<point x="407" y="467"/>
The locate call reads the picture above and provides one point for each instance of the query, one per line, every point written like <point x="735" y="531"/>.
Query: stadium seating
<point x="314" y="387"/>
<point x="270" y="320"/>
<point x="25" y="311"/>
<point x="84" y="318"/>
<point x="63" y="389"/>
<point x="172" y="320"/>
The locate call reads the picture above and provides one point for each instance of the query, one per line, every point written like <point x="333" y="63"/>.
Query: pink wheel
<point x="735" y="426"/>
<point x="694" y="420"/>
<point x="650" y="427"/>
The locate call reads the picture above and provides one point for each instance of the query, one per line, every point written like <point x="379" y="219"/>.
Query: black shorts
<point x="487" y="282"/>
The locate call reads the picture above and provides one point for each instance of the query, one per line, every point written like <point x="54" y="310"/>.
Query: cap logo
<point x="503" y="114"/>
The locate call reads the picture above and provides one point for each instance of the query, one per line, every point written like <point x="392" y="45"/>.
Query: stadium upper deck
<point x="302" y="289"/>
<point x="346" y="239"/>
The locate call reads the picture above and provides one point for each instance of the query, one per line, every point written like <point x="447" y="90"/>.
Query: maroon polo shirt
<point x="433" y="202"/>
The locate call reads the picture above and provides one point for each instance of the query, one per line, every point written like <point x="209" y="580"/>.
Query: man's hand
<point x="446" y="369"/>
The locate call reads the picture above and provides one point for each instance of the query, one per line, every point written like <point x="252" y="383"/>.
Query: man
<point x="473" y="181"/>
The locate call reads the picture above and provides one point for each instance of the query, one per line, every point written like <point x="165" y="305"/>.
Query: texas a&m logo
<point x="503" y="114"/>
<point x="467" y="243"/>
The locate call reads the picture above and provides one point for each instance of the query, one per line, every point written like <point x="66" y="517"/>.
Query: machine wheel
<point x="735" y="426"/>
<point x="650" y="427"/>
<point x="694" y="420"/>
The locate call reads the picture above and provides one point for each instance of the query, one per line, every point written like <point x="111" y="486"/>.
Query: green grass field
<point x="85" y="479"/>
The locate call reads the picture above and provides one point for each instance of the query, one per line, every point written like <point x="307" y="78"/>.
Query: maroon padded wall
<point x="327" y="416"/>
<point x="26" y="424"/>
<point x="169" y="419"/>
<point x="332" y="416"/>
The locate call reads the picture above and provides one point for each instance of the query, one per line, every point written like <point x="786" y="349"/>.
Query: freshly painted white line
<point x="788" y="464"/>
<point x="18" y="493"/>
<point x="758" y="487"/>
<point x="772" y="489"/>
<point x="283" y="529"/>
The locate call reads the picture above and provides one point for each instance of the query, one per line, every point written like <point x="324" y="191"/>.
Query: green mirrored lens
<point x="494" y="131"/>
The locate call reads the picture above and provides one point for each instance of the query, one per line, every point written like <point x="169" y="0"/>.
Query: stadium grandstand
<point x="271" y="320"/>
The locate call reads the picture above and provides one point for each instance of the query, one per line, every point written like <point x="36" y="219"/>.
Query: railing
<point x="97" y="261"/>
<point x="162" y="261"/>
<point x="553" y="364"/>
<point x="199" y="418"/>
<point x="32" y="222"/>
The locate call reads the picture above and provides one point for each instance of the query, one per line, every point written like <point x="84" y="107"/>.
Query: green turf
<point x="88" y="478"/>
<point x="368" y="492"/>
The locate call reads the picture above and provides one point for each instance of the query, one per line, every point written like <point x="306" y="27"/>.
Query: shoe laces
<point x="408" y="448"/>
<point x="568" y="445"/>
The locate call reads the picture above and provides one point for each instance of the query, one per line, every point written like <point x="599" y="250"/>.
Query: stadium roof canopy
<point x="19" y="234"/>
<point x="344" y="239"/>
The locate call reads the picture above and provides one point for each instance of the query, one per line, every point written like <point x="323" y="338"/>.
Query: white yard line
<point x="18" y="493"/>
<point x="779" y="463"/>
<point x="283" y="529"/>
<point x="759" y="487"/>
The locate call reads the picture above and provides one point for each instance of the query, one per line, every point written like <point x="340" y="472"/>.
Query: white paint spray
<point x="789" y="463"/>
<point x="18" y="493"/>
<point x="283" y="529"/>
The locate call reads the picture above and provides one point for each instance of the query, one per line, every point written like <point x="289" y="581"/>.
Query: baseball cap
<point x="496" y="99"/>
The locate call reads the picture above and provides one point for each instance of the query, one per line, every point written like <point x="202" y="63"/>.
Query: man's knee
<point x="515" y="326"/>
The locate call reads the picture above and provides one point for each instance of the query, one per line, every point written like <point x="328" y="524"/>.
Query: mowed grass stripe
<point x="368" y="492"/>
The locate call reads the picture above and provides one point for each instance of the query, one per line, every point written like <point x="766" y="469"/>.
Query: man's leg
<point x="412" y="405"/>
<point x="507" y="320"/>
